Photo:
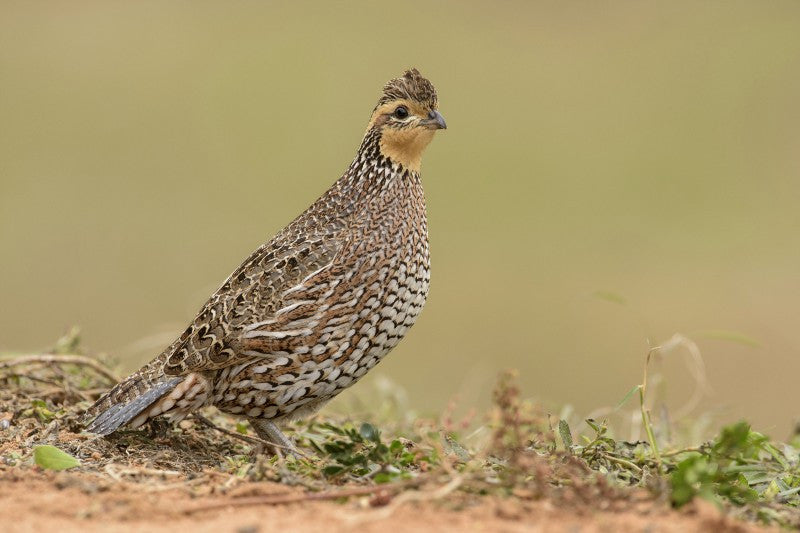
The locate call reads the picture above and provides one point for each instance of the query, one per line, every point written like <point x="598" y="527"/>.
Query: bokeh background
<point x="613" y="173"/>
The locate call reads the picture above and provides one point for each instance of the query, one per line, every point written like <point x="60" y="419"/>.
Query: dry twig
<point x="80" y="360"/>
<point x="282" y="499"/>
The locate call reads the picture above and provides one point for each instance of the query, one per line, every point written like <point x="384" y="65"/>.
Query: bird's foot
<point x="276" y="443"/>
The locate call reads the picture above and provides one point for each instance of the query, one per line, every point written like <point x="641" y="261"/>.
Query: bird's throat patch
<point x="405" y="146"/>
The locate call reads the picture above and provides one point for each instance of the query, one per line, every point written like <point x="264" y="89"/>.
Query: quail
<point x="315" y="308"/>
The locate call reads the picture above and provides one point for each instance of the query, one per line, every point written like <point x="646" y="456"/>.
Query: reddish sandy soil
<point x="34" y="501"/>
<point x="182" y="479"/>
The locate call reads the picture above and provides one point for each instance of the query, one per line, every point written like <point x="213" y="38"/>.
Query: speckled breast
<point x="365" y="307"/>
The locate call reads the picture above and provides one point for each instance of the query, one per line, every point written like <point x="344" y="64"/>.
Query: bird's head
<point x="406" y="118"/>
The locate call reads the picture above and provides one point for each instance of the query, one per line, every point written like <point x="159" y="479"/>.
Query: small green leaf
<point x="332" y="470"/>
<point x="51" y="458"/>
<point x="385" y="477"/>
<point x="772" y="490"/>
<point x="369" y="432"/>
<point x="566" y="434"/>
<point x="628" y="396"/>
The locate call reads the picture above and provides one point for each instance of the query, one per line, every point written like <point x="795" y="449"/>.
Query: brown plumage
<point x="312" y="310"/>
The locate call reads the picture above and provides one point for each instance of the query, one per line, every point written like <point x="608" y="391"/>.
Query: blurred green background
<point x="613" y="172"/>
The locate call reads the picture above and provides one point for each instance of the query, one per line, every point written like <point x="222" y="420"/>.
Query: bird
<point x="312" y="310"/>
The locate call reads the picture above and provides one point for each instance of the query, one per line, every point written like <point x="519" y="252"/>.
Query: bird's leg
<point x="269" y="432"/>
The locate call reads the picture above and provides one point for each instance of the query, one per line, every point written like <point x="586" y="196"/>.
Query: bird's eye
<point x="401" y="112"/>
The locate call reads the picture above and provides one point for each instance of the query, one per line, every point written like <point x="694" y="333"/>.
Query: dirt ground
<point x="203" y="475"/>
<point x="65" y="502"/>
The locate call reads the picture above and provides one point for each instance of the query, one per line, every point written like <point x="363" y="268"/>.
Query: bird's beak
<point x="435" y="121"/>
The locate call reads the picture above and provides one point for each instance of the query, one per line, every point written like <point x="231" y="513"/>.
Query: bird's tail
<point x="128" y="399"/>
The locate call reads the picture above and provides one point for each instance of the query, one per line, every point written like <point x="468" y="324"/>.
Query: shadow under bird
<point x="315" y="308"/>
